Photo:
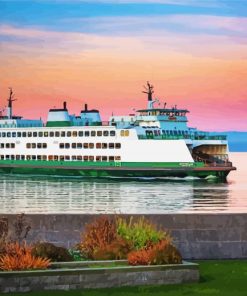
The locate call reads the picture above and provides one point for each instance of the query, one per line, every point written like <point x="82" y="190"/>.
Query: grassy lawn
<point x="217" y="278"/>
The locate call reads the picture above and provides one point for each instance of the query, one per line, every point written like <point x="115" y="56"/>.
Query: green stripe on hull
<point x="107" y="169"/>
<point x="101" y="164"/>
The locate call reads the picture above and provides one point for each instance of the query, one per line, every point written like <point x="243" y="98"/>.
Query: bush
<point x="54" y="253"/>
<point x="161" y="253"/>
<point x="116" y="250"/>
<point x="164" y="253"/>
<point x="142" y="232"/>
<point x="3" y="235"/>
<point x="97" y="236"/>
<point x="18" y="233"/>
<point x="19" y="257"/>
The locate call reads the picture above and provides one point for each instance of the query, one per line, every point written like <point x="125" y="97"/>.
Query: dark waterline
<point x="42" y="194"/>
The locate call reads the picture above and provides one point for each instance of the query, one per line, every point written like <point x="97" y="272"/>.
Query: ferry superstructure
<point x="154" y="142"/>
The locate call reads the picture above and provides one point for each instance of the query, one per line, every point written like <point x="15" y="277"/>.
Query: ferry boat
<point x="153" y="142"/>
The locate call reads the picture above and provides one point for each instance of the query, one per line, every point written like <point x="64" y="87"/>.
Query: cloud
<point x="200" y="3"/>
<point x="225" y="23"/>
<point x="148" y="36"/>
<point x="181" y="23"/>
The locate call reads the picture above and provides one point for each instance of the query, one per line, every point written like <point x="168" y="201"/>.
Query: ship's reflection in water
<point x="62" y="195"/>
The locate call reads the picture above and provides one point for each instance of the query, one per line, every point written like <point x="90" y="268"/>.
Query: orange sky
<point x="203" y="72"/>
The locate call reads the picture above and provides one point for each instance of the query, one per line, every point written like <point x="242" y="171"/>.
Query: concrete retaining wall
<point x="66" y="279"/>
<point x="198" y="236"/>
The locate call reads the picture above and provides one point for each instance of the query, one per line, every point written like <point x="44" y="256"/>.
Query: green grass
<point x="226" y="278"/>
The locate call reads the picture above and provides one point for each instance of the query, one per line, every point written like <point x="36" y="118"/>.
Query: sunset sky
<point x="194" y="52"/>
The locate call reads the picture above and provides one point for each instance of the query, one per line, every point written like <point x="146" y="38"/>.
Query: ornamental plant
<point x="142" y="233"/>
<point x="19" y="257"/>
<point x="50" y="251"/>
<point x="161" y="253"/>
<point x="97" y="235"/>
<point x="116" y="250"/>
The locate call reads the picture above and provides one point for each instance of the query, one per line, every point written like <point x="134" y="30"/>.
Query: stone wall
<point x="198" y="236"/>
<point x="66" y="279"/>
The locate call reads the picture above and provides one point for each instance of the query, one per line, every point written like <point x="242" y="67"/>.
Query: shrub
<point x="18" y="233"/>
<point x="161" y="253"/>
<point x="97" y="235"/>
<point x="116" y="250"/>
<point x="164" y="253"/>
<point x="19" y="257"/>
<point x="139" y="257"/>
<point x="3" y="235"/>
<point x="142" y="232"/>
<point x="76" y="255"/>
<point x="21" y="227"/>
<point x="54" y="253"/>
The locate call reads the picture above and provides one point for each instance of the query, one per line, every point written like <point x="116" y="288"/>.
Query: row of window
<point x="155" y="113"/>
<point x="66" y="145"/>
<point x="61" y="157"/>
<point x="90" y="145"/>
<point x="104" y="133"/>
<point x="7" y="145"/>
<point x="36" y="145"/>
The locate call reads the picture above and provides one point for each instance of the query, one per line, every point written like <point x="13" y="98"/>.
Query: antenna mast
<point x="10" y="100"/>
<point x="149" y="91"/>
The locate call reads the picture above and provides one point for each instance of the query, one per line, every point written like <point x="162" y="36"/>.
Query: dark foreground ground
<point x="224" y="278"/>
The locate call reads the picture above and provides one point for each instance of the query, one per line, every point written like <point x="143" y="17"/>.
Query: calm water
<point x="63" y="195"/>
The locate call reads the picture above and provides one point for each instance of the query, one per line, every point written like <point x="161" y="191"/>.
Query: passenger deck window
<point x="104" y="158"/>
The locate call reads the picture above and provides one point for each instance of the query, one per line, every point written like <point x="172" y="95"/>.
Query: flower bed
<point x="112" y="252"/>
<point x="97" y="274"/>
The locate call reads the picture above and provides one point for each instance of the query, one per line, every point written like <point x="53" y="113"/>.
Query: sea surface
<point x="29" y="194"/>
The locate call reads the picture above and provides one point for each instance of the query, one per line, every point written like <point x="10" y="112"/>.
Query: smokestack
<point x="64" y="105"/>
<point x="85" y="107"/>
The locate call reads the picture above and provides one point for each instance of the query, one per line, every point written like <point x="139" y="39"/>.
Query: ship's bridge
<point x="166" y="119"/>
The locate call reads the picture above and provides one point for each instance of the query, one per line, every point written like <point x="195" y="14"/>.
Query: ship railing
<point x="215" y="164"/>
<point x="182" y="137"/>
<point x="212" y="159"/>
